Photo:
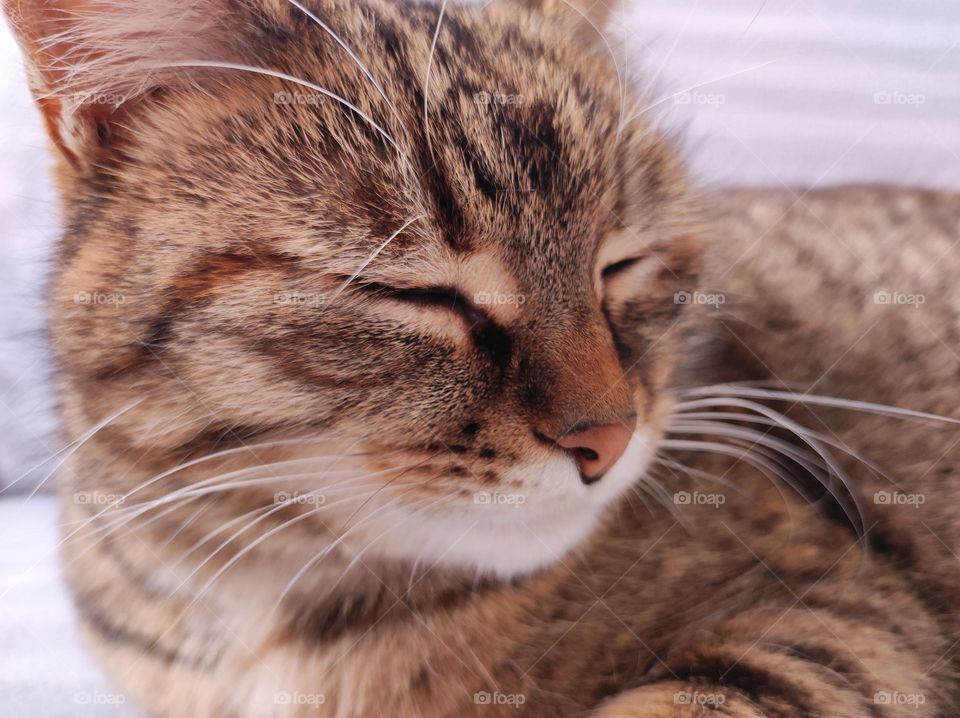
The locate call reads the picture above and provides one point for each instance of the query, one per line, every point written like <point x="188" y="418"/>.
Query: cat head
<point x="439" y="243"/>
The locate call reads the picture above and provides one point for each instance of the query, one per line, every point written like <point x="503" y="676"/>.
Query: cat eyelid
<point x="438" y="296"/>
<point x="622" y="265"/>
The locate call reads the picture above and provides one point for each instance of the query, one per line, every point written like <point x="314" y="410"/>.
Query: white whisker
<point x="326" y="28"/>
<point x="426" y="82"/>
<point x="70" y="450"/>
<point x="697" y="473"/>
<point x="831" y="401"/>
<point x="393" y="505"/>
<point x="613" y="57"/>
<point x="373" y="255"/>
<point x="766" y="421"/>
<point x="289" y="78"/>
<point x="771" y="470"/>
<point x="834" y="469"/>
<point x="179" y="468"/>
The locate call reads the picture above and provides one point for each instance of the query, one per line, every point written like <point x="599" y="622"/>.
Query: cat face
<point x="434" y="253"/>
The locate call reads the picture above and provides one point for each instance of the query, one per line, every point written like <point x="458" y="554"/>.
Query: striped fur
<point x="338" y="273"/>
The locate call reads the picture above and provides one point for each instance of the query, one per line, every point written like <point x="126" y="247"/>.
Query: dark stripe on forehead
<point x="435" y="170"/>
<point x="448" y="211"/>
<point x="435" y="177"/>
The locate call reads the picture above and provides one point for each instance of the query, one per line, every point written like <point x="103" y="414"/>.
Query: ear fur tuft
<point x="85" y="59"/>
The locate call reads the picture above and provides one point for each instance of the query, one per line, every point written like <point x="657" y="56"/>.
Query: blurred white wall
<point x="805" y="92"/>
<point x="769" y="92"/>
<point x="28" y="222"/>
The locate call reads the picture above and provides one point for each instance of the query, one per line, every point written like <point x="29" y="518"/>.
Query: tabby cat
<point x="404" y="374"/>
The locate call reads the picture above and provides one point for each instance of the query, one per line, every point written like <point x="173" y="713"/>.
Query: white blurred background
<point x="766" y="92"/>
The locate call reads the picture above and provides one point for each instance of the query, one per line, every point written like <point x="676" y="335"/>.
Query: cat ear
<point x="589" y="18"/>
<point x="89" y="60"/>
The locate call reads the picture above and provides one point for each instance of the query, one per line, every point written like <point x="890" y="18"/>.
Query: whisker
<point x="696" y="473"/>
<point x="815" y="399"/>
<point x="394" y="505"/>
<point x="373" y="255"/>
<point x="270" y="509"/>
<point x="821" y="437"/>
<point x="247" y="549"/>
<point x="426" y="82"/>
<point x="402" y="470"/>
<point x="642" y="495"/>
<point x="191" y="493"/>
<point x="697" y="86"/>
<point x="289" y="78"/>
<point x="613" y="57"/>
<point x="182" y="467"/>
<point x="781" y="459"/>
<point x="326" y="28"/>
<point x="183" y="524"/>
<point x="70" y="449"/>
<point x="804" y="458"/>
<point x="795" y="428"/>
<point x="761" y="463"/>
<point x="747" y="451"/>
<point x="656" y="491"/>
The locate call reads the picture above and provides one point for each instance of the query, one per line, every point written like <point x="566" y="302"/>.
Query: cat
<point x="405" y="373"/>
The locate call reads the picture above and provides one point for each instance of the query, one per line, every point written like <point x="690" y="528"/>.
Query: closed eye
<point x="491" y="339"/>
<point x="444" y="297"/>
<point x="611" y="270"/>
<point x="439" y="297"/>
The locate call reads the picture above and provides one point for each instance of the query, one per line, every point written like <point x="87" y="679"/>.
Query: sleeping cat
<point x="404" y="374"/>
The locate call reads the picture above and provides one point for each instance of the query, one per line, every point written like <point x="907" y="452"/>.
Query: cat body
<point x="391" y="339"/>
<point x="743" y="598"/>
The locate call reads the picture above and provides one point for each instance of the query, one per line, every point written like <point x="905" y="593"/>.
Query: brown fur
<point x="252" y="325"/>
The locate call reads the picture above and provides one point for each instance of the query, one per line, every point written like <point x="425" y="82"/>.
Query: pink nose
<point x="598" y="447"/>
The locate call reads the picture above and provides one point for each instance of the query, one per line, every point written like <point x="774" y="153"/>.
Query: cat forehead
<point x="497" y="114"/>
<point x="511" y="144"/>
<point x="493" y="139"/>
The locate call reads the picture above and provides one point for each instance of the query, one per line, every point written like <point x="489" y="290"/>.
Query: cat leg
<point x="802" y="661"/>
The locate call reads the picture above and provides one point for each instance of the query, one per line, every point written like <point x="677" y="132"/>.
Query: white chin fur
<point x="511" y="532"/>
